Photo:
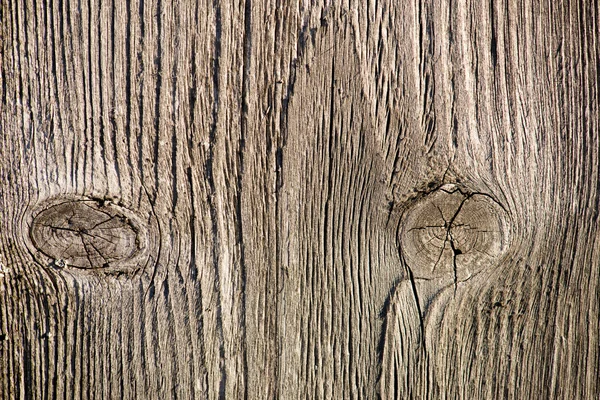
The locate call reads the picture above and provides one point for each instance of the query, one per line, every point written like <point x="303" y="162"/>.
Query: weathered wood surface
<point x="263" y="200"/>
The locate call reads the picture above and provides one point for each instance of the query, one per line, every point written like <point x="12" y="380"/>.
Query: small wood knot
<point x="453" y="233"/>
<point x="86" y="233"/>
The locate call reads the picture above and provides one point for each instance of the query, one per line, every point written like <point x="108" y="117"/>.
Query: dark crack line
<point x="448" y="225"/>
<point x="87" y="252"/>
<point x="104" y="222"/>
<point x="455" y="253"/>
<point x="96" y="209"/>
<point x="467" y="226"/>
<point x="483" y="252"/>
<point x="441" y="253"/>
<point x="101" y="254"/>
<point x="80" y="232"/>
<point x="160" y="236"/>
<point x="418" y="305"/>
<point x="441" y="214"/>
<point x="491" y="198"/>
<point x="449" y="237"/>
<point x="426" y="243"/>
<point x="426" y="227"/>
<point x="460" y="206"/>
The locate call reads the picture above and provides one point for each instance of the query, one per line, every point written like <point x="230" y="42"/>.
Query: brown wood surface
<point x="260" y="199"/>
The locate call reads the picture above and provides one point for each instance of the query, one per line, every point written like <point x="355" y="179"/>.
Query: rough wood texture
<point x="262" y="200"/>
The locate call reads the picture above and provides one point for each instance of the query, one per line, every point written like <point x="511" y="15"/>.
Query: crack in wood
<point x="474" y="225"/>
<point x="84" y="233"/>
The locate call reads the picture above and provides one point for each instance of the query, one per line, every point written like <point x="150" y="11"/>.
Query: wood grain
<point x="394" y="199"/>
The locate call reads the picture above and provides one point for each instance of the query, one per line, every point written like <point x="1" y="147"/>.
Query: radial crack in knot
<point x="88" y="234"/>
<point x="454" y="234"/>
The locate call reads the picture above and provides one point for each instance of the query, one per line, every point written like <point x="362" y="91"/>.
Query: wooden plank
<point x="263" y="200"/>
<point x="136" y="104"/>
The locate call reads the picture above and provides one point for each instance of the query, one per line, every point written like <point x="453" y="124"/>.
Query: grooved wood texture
<point x="276" y="156"/>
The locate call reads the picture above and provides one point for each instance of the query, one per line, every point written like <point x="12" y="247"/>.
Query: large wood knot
<point x="87" y="233"/>
<point x="451" y="233"/>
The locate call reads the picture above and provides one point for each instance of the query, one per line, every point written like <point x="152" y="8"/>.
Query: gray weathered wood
<point x="264" y="200"/>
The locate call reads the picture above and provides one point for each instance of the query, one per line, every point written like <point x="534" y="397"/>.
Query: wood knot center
<point x="453" y="233"/>
<point x="87" y="233"/>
